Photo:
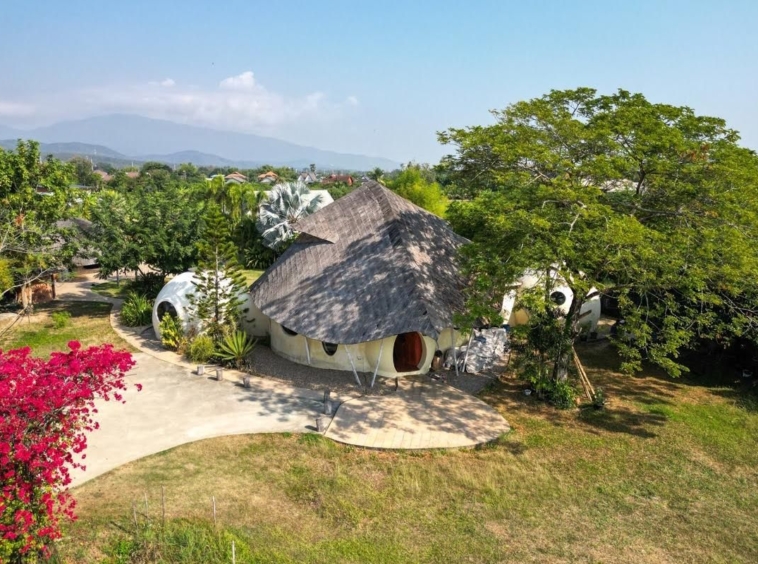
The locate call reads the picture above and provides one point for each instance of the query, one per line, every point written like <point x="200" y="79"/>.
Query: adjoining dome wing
<point x="368" y="266"/>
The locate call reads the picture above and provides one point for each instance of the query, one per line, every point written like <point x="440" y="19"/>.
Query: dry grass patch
<point x="667" y="473"/>
<point x="89" y="323"/>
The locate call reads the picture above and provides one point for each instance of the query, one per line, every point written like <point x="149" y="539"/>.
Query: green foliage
<point x="235" y="348"/>
<point x="136" y="310"/>
<point x="33" y="245"/>
<point x="60" y="319"/>
<point x="339" y="190"/>
<point x="148" y="284"/>
<point x="172" y="332"/>
<point x="287" y="203"/>
<point x="159" y="228"/>
<point x="217" y="301"/>
<point x="649" y="202"/>
<point x="412" y="185"/>
<point x="202" y="349"/>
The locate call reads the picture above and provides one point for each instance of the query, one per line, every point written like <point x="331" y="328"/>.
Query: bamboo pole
<point x="307" y="350"/>
<point x="378" y="360"/>
<point x="468" y="347"/>
<point x="355" y="372"/>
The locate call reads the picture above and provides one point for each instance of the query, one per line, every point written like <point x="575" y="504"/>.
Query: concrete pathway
<point x="421" y="414"/>
<point x="176" y="406"/>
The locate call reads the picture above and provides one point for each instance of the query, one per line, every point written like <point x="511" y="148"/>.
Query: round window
<point x="288" y="331"/>
<point x="166" y="308"/>
<point x="558" y="298"/>
<point x="330" y="348"/>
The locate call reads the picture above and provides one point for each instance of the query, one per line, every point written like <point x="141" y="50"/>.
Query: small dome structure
<point x="174" y="300"/>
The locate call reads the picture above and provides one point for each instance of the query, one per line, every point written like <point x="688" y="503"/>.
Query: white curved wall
<point x="364" y="355"/>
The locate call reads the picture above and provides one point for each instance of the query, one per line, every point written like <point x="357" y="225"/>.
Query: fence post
<point x="163" y="505"/>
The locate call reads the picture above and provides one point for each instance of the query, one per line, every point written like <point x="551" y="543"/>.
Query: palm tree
<point x="287" y="203"/>
<point x="376" y="174"/>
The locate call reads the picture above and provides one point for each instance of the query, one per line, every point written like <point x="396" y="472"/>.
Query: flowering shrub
<point x="46" y="409"/>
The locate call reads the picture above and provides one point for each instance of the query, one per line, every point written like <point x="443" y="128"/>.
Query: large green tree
<point x="35" y="195"/>
<point x="648" y="202"/>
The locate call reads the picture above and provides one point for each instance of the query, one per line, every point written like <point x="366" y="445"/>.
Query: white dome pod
<point x="560" y="295"/>
<point x="174" y="299"/>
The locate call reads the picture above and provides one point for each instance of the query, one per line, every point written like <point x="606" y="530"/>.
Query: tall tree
<point x="648" y="202"/>
<point x="216" y="301"/>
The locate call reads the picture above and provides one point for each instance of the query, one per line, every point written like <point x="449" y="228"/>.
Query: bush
<point x="149" y="284"/>
<point x="172" y="333"/>
<point x="202" y="349"/>
<point x="561" y="394"/>
<point x="60" y="319"/>
<point x="235" y="347"/>
<point x="136" y="311"/>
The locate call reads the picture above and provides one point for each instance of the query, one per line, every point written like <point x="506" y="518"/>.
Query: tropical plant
<point x="287" y="204"/>
<point x="136" y="311"/>
<point x="47" y="409"/>
<point x="375" y="174"/>
<point x="235" y="348"/>
<point x="172" y="332"/>
<point x="219" y="281"/>
<point x="202" y="349"/>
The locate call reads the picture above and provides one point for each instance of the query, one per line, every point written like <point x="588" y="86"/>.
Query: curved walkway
<point x="176" y="406"/>
<point x="421" y="414"/>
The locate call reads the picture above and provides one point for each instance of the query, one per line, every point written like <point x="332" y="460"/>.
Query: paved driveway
<point x="176" y="406"/>
<point x="421" y="414"/>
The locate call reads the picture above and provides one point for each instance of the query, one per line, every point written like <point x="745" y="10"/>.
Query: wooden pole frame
<point x="378" y="360"/>
<point x="355" y="372"/>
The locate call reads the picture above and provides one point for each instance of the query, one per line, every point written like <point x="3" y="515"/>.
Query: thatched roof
<point x="368" y="266"/>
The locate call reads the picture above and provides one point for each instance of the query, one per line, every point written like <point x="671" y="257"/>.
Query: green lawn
<point x="668" y="472"/>
<point x="89" y="324"/>
<point x="251" y="275"/>
<point x="112" y="289"/>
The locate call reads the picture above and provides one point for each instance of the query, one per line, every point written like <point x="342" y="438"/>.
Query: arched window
<point x="330" y="348"/>
<point x="288" y="331"/>
<point x="558" y="298"/>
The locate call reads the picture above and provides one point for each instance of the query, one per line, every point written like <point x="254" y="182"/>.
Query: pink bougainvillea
<point x="46" y="409"/>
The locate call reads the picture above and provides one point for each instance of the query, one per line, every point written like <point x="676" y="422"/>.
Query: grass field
<point x="252" y="275"/>
<point x="668" y="472"/>
<point x="112" y="289"/>
<point x="89" y="324"/>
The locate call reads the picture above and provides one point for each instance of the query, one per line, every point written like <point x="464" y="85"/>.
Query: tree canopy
<point x="647" y="202"/>
<point x="412" y="184"/>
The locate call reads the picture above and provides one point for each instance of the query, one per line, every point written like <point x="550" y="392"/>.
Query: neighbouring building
<point x="334" y="178"/>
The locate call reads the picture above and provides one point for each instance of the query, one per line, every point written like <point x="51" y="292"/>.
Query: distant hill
<point x="138" y="138"/>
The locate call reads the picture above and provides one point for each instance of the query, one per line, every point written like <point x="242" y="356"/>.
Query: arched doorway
<point x="408" y="352"/>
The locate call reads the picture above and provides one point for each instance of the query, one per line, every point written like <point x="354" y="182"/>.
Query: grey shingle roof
<point x="368" y="266"/>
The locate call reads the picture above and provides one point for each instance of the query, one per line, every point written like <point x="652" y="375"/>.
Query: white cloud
<point x="15" y="109"/>
<point x="351" y="101"/>
<point x="168" y="83"/>
<point x="244" y="81"/>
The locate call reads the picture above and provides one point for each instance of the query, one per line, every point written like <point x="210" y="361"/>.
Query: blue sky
<point x="377" y="78"/>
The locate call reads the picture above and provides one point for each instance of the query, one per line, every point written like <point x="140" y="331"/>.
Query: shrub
<point x="561" y="394"/>
<point x="136" y="311"/>
<point x="235" y="347"/>
<point x="149" y="284"/>
<point x="202" y="349"/>
<point x="172" y="333"/>
<point x="60" y="319"/>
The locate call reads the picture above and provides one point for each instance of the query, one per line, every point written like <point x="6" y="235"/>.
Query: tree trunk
<point x="564" y="357"/>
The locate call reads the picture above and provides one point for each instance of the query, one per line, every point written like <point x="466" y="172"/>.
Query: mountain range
<point x="125" y="137"/>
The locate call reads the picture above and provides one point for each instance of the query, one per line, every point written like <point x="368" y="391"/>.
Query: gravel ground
<point x="266" y="363"/>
